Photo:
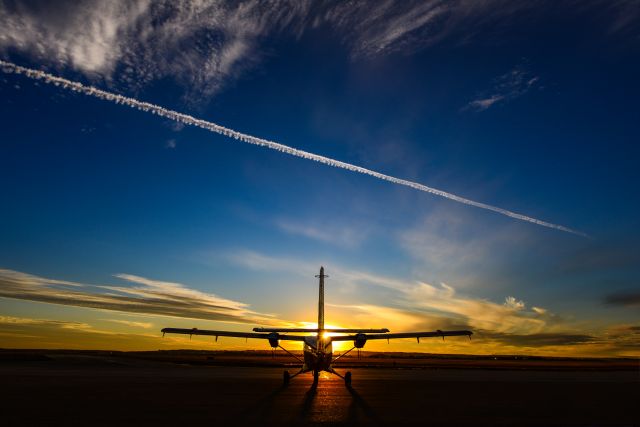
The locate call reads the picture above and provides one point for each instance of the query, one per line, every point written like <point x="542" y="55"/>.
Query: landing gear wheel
<point x="316" y="375"/>
<point x="347" y="378"/>
<point x="286" y="377"/>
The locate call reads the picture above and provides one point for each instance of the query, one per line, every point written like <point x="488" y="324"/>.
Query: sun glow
<point x="337" y="346"/>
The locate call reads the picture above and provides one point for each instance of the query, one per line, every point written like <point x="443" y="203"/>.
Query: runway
<point x="100" y="391"/>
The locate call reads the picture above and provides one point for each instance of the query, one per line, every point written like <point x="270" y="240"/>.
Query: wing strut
<point x="343" y="354"/>
<point x="291" y="354"/>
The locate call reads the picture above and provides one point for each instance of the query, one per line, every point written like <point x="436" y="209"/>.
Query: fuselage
<point x="317" y="357"/>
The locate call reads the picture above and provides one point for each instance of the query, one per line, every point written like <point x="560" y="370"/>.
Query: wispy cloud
<point x="539" y="340"/>
<point x="150" y="297"/>
<point x="508" y="86"/>
<point x="444" y="238"/>
<point x="88" y="36"/>
<point x="200" y="44"/>
<point x="205" y="44"/>
<point x="516" y="304"/>
<point x="508" y="326"/>
<point x="346" y="236"/>
<point x="451" y="245"/>
<point x="261" y="262"/>
<point x="144" y="325"/>
<point x="418" y="304"/>
<point x="395" y="318"/>
<point x="346" y="277"/>
<point x="26" y="332"/>
<point x="510" y="317"/>
<point x="381" y="27"/>
<point x="19" y="325"/>
<point x="622" y="340"/>
<point x="625" y="336"/>
<point x="11" y="320"/>
<point x="623" y="16"/>
<point x="418" y="298"/>
<point x="624" y="299"/>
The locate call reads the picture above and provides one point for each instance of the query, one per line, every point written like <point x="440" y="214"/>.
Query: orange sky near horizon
<point x="56" y="314"/>
<point x="104" y="330"/>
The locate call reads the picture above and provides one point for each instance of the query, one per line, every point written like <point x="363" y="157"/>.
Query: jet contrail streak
<point x="9" y="67"/>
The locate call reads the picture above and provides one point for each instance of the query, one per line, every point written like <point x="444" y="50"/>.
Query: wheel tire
<point x="347" y="378"/>
<point x="316" y="376"/>
<point x="286" y="377"/>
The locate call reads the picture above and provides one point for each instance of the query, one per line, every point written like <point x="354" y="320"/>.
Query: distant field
<point x="366" y="360"/>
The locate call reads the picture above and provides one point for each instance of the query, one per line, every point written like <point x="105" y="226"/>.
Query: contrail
<point x="9" y="67"/>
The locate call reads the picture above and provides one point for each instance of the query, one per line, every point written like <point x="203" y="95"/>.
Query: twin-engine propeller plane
<point x="318" y="351"/>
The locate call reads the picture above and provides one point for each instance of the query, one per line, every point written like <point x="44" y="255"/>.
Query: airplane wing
<point x="196" y="331"/>
<point x="418" y="335"/>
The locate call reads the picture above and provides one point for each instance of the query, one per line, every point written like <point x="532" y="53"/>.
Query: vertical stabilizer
<point x="321" y="277"/>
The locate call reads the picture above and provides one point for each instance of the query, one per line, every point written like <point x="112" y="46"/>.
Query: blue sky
<point x="531" y="108"/>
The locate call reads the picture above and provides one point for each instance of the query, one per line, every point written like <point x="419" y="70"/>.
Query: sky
<point x="116" y="222"/>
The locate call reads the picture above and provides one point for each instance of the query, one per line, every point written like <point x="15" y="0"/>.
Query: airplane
<point x="317" y="349"/>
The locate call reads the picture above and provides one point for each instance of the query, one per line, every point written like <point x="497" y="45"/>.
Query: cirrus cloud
<point x="207" y="43"/>
<point x="146" y="297"/>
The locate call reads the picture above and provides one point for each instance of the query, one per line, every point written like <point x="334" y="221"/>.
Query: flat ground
<point x="102" y="390"/>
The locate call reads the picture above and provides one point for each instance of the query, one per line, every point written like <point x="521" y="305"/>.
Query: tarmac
<point x="85" y="390"/>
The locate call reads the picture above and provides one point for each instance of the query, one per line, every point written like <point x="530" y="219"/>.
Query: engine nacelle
<point x="273" y="339"/>
<point x="360" y="340"/>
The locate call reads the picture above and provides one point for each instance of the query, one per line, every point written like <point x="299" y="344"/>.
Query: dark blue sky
<point x="529" y="108"/>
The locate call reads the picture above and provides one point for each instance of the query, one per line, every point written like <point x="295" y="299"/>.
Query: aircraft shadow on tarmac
<point x="357" y="404"/>
<point x="311" y="410"/>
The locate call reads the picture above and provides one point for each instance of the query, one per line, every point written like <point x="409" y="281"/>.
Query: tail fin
<point x="321" y="277"/>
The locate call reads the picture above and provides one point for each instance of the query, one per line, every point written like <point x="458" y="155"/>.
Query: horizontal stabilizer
<point x="346" y="331"/>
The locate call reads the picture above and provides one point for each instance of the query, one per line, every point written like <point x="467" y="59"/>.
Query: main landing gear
<point x="286" y="377"/>
<point x="347" y="379"/>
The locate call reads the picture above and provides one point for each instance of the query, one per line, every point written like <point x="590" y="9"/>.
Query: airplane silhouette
<point x="318" y="349"/>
